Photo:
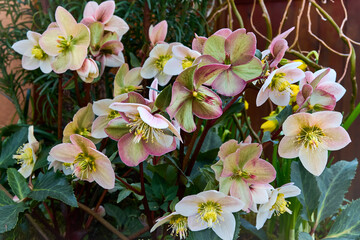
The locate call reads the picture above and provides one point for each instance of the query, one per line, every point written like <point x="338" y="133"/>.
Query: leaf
<point x="5" y="200"/>
<point x="305" y="236"/>
<point x="53" y="185"/>
<point x="115" y="212"/>
<point x="310" y="192"/>
<point x="260" y="234"/>
<point x="164" y="98"/>
<point x="123" y="194"/>
<point x="282" y="116"/>
<point x="10" y="146"/>
<point x="212" y="141"/>
<point x="235" y="108"/>
<point x="333" y="184"/>
<point x="134" y="61"/>
<point x="42" y="159"/>
<point x="347" y="224"/>
<point x="18" y="183"/>
<point x="207" y="234"/>
<point x="9" y="216"/>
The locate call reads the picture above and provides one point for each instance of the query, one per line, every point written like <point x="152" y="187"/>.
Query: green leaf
<point x="351" y="118"/>
<point x="18" y="183"/>
<point x="282" y="116"/>
<point x="310" y="192"/>
<point x="212" y="141"/>
<point x="42" y="158"/>
<point x="123" y="194"/>
<point x="9" y="216"/>
<point x="347" y="224"/>
<point x="333" y="184"/>
<point x="115" y="212"/>
<point x="235" y="108"/>
<point x="10" y="146"/>
<point x="134" y="61"/>
<point x="164" y="98"/>
<point x="53" y="185"/>
<point x="5" y="200"/>
<point x="305" y="236"/>
<point x="207" y="234"/>
<point x="260" y="234"/>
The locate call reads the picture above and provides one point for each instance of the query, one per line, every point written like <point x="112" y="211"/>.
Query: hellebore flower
<point x="229" y="59"/>
<point x="33" y="56"/>
<point x="157" y="33"/>
<point x="189" y="98"/>
<point x="104" y="13"/>
<point x="198" y="43"/>
<point x="183" y="57"/>
<point x="277" y="85"/>
<point x="310" y="136"/>
<point x="89" y="163"/>
<point x="105" y="114"/>
<point x="278" y="47"/>
<point x="26" y="154"/>
<point x="140" y="133"/>
<point x="68" y="42"/>
<point x="276" y="203"/>
<point x="81" y="124"/>
<point x="67" y="168"/>
<point x="240" y="166"/>
<point x="210" y="209"/>
<point x="88" y="71"/>
<point x="127" y="81"/>
<point x="178" y="224"/>
<point x="154" y="65"/>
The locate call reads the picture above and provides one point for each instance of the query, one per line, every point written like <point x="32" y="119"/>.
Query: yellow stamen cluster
<point x="178" y="226"/>
<point x="210" y="212"/>
<point x="279" y="83"/>
<point x="187" y="62"/>
<point x="161" y="61"/>
<point x="65" y="43"/>
<point x="84" y="132"/>
<point x="24" y="155"/>
<point x="142" y="130"/>
<point x="85" y="165"/>
<point x="310" y="137"/>
<point x="202" y="97"/>
<point x="113" y="114"/>
<point x="130" y="89"/>
<point x="281" y="205"/>
<point x="38" y="53"/>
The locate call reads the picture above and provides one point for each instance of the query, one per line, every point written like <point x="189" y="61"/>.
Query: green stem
<point x="267" y="21"/>
<point x="307" y="60"/>
<point x="237" y="14"/>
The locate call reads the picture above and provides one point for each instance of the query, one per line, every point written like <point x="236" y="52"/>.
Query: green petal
<point x="215" y="46"/>
<point x="186" y="78"/>
<point x="185" y="118"/>
<point x="249" y="70"/>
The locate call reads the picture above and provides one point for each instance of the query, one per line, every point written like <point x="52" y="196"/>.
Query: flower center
<point x="210" y="212"/>
<point x="281" y="205"/>
<point x="227" y="60"/>
<point x="187" y="62"/>
<point x="65" y="43"/>
<point x="203" y="98"/>
<point x="24" y="155"/>
<point x="161" y="61"/>
<point x="84" y="165"/>
<point x="244" y="174"/>
<point x="128" y="89"/>
<point x="113" y="114"/>
<point x="142" y="130"/>
<point x="178" y="224"/>
<point x="84" y="132"/>
<point x="310" y="137"/>
<point x="38" y="53"/>
<point x="279" y="83"/>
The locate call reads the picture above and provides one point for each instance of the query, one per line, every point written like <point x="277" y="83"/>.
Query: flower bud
<point x="88" y="71"/>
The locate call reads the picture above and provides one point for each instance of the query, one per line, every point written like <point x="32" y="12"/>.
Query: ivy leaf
<point x="9" y="216"/>
<point x="18" y="183"/>
<point x="10" y="146"/>
<point x="53" y="185"/>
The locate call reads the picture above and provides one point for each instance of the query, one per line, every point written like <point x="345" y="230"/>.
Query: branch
<point x="237" y="14"/>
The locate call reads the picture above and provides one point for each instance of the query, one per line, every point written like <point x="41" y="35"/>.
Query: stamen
<point x="203" y="97"/>
<point x="38" y="53"/>
<point x="161" y="61"/>
<point x="113" y="114"/>
<point x="279" y="83"/>
<point x="210" y="212"/>
<point x="24" y="155"/>
<point x="178" y="226"/>
<point x="187" y="62"/>
<point x="65" y="43"/>
<point x="142" y="130"/>
<point x="84" y="166"/>
<point x="281" y="205"/>
<point x="310" y="137"/>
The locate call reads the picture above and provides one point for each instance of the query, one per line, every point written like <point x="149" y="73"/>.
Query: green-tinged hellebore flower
<point x="26" y="154"/>
<point x="68" y="42"/>
<point x="127" y="81"/>
<point x="178" y="224"/>
<point x="89" y="163"/>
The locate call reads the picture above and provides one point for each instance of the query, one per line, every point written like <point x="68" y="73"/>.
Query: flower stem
<point x="128" y="186"/>
<point x="60" y="103"/>
<point x="87" y="225"/>
<point x="191" y="144"/>
<point x="237" y="14"/>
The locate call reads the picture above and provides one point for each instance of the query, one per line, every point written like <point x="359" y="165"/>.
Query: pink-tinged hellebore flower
<point x="277" y="85"/>
<point x="229" y="59"/>
<point x="104" y="13"/>
<point x="178" y="224"/>
<point x="33" y="56"/>
<point x="127" y="81"/>
<point x="210" y="209"/>
<point x="189" y="98"/>
<point x="157" y="33"/>
<point x="68" y="42"/>
<point x="140" y="133"/>
<point x="26" y="154"/>
<point x="88" y="71"/>
<point x="67" y="168"/>
<point x="183" y="57"/>
<point x="105" y="114"/>
<point x="198" y="43"/>
<point x="89" y="163"/>
<point x="276" y="203"/>
<point x="154" y="65"/>
<point x="310" y="136"/>
<point x="153" y="91"/>
<point x="278" y="47"/>
<point x="240" y="167"/>
<point x="81" y="124"/>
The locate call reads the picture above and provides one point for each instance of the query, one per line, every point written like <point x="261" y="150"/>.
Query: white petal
<point x="149" y="69"/>
<point x="225" y="229"/>
<point x="188" y="206"/>
<point x="314" y="160"/>
<point x="24" y="47"/>
<point x="289" y="190"/>
<point x="26" y="170"/>
<point x="101" y="107"/>
<point x="261" y="219"/>
<point x="29" y="63"/>
<point x="163" y="78"/>
<point x="45" y="65"/>
<point x="196" y="224"/>
<point x="173" y="67"/>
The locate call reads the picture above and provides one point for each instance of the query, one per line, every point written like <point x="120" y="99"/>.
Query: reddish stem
<point x="87" y="225"/>
<point x="128" y="186"/>
<point x="60" y="103"/>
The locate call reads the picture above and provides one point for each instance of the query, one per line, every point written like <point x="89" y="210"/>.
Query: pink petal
<point x="104" y="174"/>
<point x="224" y="32"/>
<point x="336" y="138"/>
<point x="278" y="37"/>
<point x="198" y="43"/>
<point x="180" y="94"/>
<point x="262" y="96"/>
<point x="280" y="98"/>
<point x="313" y="160"/>
<point x="228" y="83"/>
<point x="131" y="108"/>
<point x="240" y="46"/>
<point x="118" y="25"/>
<point x="152" y="93"/>
<point x="227" y="148"/>
<point x="90" y="9"/>
<point x="248" y="152"/>
<point x="158" y="32"/>
<point x="171" y="127"/>
<point x="294" y="123"/>
<point x="240" y="189"/>
<point x="65" y="21"/>
<point x="231" y="204"/>
<point x="83" y="143"/>
<point x="289" y="147"/>
<point x="230" y="165"/>
<point x="117" y="128"/>
<point x="330" y="77"/>
<point x="333" y="88"/>
<point x="203" y="74"/>
<point x="65" y="152"/>
<point x="162" y="144"/>
<point x="131" y="153"/>
<point x="105" y="11"/>
<point x="210" y="108"/>
<point x="260" y="170"/>
<point x="327" y="119"/>
<point x="322" y="100"/>
<point x="278" y="50"/>
<point x="225" y="229"/>
<point x="151" y="120"/>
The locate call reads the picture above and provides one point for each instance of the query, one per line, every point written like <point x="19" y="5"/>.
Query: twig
<point x="217" y="11"/>
<point x="252" y="23"/>
<point x="236" y="120"/>
<point x="128" y="186"/>
<point x="230" y="19"/>
<point x="102" y="221"/>
<point x="284" y="15"/>
<point x="267" y="19"/>
<point x="60" y="103"/>
<point x="299" y="17"/>
<point x="87" y="225"/>
<point x="237" y="14"/>
<point x="252" y="132"/>
<point x="308" y="61"/>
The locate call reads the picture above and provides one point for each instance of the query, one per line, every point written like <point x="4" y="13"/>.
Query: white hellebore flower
<point x="178" y="224"/>
<point x="183" y="57"/>
<point x="67" y="168"/>
<point x="211" y="209"/>
<point x="276" y="203"/>
<point x="154" y="65"/>
<point x="33" y="56"/>
<point x="26" y="154"/>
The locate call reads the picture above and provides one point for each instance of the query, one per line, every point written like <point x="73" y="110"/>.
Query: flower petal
<point x="195" y="224"/>
<point x="131" y="153"/>
<point x="336" y="138"/>
<point x="260" y="170"/>
<point x="228" y="83"/>
<point x="248" y="71"/>
<point x="23" y="47"/>
<point x="105" y="11"/>
<point x="240" y="46"/>
<point x="45" y="65"/>
<point x="180" y="95"/>
<point x="62" y="62"/>
<point x="149" y="69"/>
<point x="90" y="9"/>
<point x="262" y="96"/>
<point x="227" y="148"/>
<point x="162" y="144"/>
<point x="29" y="63"/>
<point x="184" y="116"/>
<point x="98" y="127"/>
<point x="65" y="21"/>
<point x="188" y="206"/>
<point x="83" y="143"/>
<point x="248" y="152"/>
<point x="104" y="174"/>
<point x="280" y="98"/>
<point x="261" y="219"/>
<point x="289" y="147"/>
<point x="240" y="189"/>
<point x="207" y="72"/>
<point x="101" y="107"/>
<point x="215" y="47"/>
<point x="327" y="119"/>
<point x="151" y="120"/>
<point x="313" y="160"/>
<point x="289" y="190"/>
<point x="210" y="107"/>
<point x="48" y="41"/>
<point x="173" y="67"/>
<point x="117" y="25"/>
<point x="117" y="128"/>
<point x="225" y="229"/>
<point x="158" y="32"/>
<point x="294" y="123"/>
<point x="231" y="204"/>
<point x="65" y="152"/>
<point x="333" y="88"/>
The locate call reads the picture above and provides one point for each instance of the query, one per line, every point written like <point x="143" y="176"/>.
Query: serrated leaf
<point x="18" y="183"/>
<point x="164" y="98"/>
<point x="10" y="146"/>
<point x="305" y="236"/>
<point x="9" y="216"/>
<point x="260" y="234"/>
<point x="53" y="185"/>
<point x="310" y="192"/>
<point x="282" y="116"/>
<point x="333" y="184"/>
<point x="347" y="224"/>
